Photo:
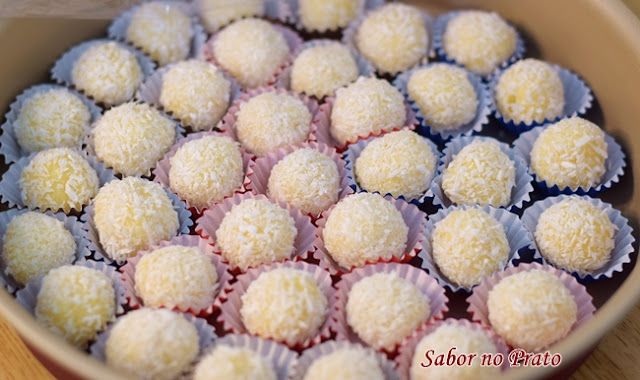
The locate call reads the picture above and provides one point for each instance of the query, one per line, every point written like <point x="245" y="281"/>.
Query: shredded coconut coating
<point x="479" y="40"/>
<point x="570" y="153"/>
<point x="575" y="235"/>
<point x="251" y="50"/>
<point x="234" y="363"/>
<point x="445" y="96"/>
<point x="530" y="90"/>
<point x="162" y="31"/>
<point x="206" y="170"/>
<point x="76" y="303"/>
<point x="176" y="276"/>
<point x="270" y="121"/>
<point x="400" y="163"/>
<point x="152" y="344"/>
<point x="469" y="245"/>
<point x="284" y="304"/>
<point x="107" y="72"/>
<point x="132" y="137"/>
<point x="531" y="310"/>
<point x="364" y="227"/>
<point x="131" y="214"/>
<point x="322" y="15"/>
<point x="320" y="70"/>
<point x="307" y="180"/>
<point x="368" y="106"/>
<point x="215" y="14"/>
<point x="384" y="308"/>
<point x="54" y="118"/>
<point x="58" y="178"/>
<point x="466" y="341"/>
<point x="35" y="243"/>
<point x="349" y="363"/>
<point x="480" y="174"/>
<point x="256" y="232"/>
<point x="393" y="37"/>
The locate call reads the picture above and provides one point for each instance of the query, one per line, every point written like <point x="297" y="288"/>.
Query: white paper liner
<point x="427" y="285"/>
<point x="614" y="165"/>
<point x="231" y="301"/>
<point x="623" y="235"/>
<point x="442" y="135"/>
<point x="516" y="232"/>
<point x="161" y="171"/>
<point x="207" y="226"/>
<point x="520" y="193"/>
<point x="273" y="10"/>
<point x="352" y="154"/>
<point x="314" y="353"/>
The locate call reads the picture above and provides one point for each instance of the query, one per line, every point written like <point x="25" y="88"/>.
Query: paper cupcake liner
<point x="623" y="237"/>
<point x="161" y="171"/>
<point x="516" y="232"/>
<point x="231" y="301"/>
<point x="427" y="285"/>
<point x="273" y="10"/>
<point x="258" y="175"/>
<point x="295" y="18"/>
<point x="520" y="193"/>
<point x="413" y="218"/>
<point x="207" y="226"/>
<point x="441" y="136"/>
<point x="614" y="165"/>
<point x="352" y="154"/>
<point x="577" y="96"/>
<point x="71" y="223"/>
<point x="314" y="353"/>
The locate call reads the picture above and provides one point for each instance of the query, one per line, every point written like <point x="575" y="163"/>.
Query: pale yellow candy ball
<point x="320" y="70"/>
<point x="349" y="363"/>
<point x="234" y="363"/>
<point x="324" y="15"/>
<point x="214" y="14"/>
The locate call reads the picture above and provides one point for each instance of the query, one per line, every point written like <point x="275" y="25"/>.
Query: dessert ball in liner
<point x="215" y="14"/>
<point x="324" y="17"/>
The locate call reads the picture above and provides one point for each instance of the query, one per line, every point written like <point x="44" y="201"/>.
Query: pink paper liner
<point x="310" y="355"/>
<point x="413" y="218"/>
<point x="129" y="269"/>
<point x="407" y="349"/>
<point x="258" y="175"/>
<point x="273" y="10"/>
<point x="478" y="299"/>
<point x="161" y="171"/>
<point x="231" y="302"/>
<point x="210" y="221"/>
<point x="427" y="284"/>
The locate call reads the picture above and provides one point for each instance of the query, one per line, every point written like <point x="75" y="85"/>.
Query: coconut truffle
<point x="251" y="50"/>
<point x="195" y="92"/>
<point x="35" y="243"/>
<point x="444" y="95"/>
<point x="131" y="138"/>
<point x="575" y="235"/>
<point x="284" y="304"/>
<point x="400" y="163"/>
<point x="469" y="245"/>
<point x="305" y="179"/>
<point x="363" y="228"/>
<point x="256" y="232"/>
<point x="176" y="276"/>
<point x="206" y="170"/>
<point x="234" y="363"/>
<point x="384" y="308"/>
<point x="76" y="303"/>
<point x="58" y="178"/>
<point x="131" y="214"/>
<point x="570" y="153"/>
<point x="270" y="121"/>
<point x="349" y="363"/>
<point x="52" y="118"/>
<point x="107" y="72"/>
<point x="530" y="91"/>
<point x="481" y="41"/>
<point x="215" y="14"/>
<point x="532" y="309"/>
<point x="368" y="106"/>
<point x="480" y="174"/>
<point x="320" y="70"/>
<point x="152" y="344"/>
<point x="322" y="15"/>
<point x="393" y="37"/>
